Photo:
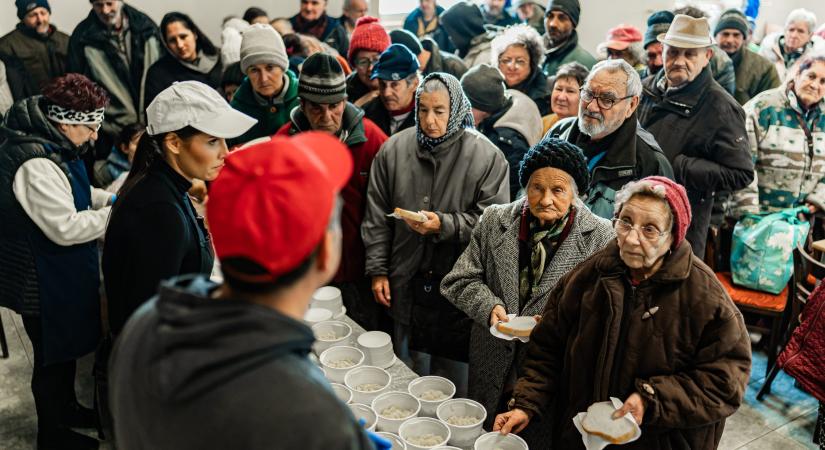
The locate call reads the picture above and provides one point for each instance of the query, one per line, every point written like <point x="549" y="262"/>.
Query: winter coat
<point x="487" y="274"/>
<point x="364" y="139"/>
<point x="772" y="48"/>
<point x="440" y="35"/>
<point x="13" y="84"/>
<point x="43" y="56"/>
<point x="802" y="356"/>
<point x="707" y="154"/>
<point x="721" y="66"/>
<point x="504" y="19"/>
<point x="92" y="53"/>
<point x="568" y="52"/>
<point x="222" y="374"/>
<point x="379" y="115"/>
<point x="676" y="339"/>
<point x="441" y="61"/>
<point x="271" y="114"/>
<point x="356" y="88"/>
<point x="538" y="89"/>
<point x="169" y="69"/>
<point x="631" y="153"/>
<point x="514" y="130"/>
<point x="537" y="19"/>
<point x="456" y="180"/>
<point x="480" y="49"/>
<point x="790" y="168"/>
<point x="754" y="74"/>
<point x="334" y="34"/>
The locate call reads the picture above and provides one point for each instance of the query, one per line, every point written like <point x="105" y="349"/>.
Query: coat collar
<point x="684" y="100"/>
<point x="676" y="267"/>
<point x="352" y="124"/>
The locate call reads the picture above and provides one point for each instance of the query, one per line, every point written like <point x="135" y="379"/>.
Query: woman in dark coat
<point x="645" y="321"/>
<point x="518" y="52"/>
<point x="190" y="56"/>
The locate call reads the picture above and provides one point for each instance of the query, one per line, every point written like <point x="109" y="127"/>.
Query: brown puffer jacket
<point x="677" y="339"/>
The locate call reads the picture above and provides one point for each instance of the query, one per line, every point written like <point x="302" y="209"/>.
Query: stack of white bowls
<point x="377" y="347"/>
<point x="365" y="375"/>
<point x="316" y="315"/>
<point x="401" y="401"/>
<point x="335" y="354"/>
<point x="341" y="331"/>
<point x="497" y="441"/>
<point x="329" y="298"/>
<point x="421" y="386"/>
<point x="462" y="435"/>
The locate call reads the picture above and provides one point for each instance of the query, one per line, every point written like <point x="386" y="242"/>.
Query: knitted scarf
<point x="542" y="243"/>
<point x="461" y="115"/>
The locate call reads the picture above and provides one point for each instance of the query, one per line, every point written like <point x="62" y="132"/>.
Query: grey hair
<point x="643" y="188"/>
<point x="524" y="35"/>
<point x="802" y="15"/>
<point x="413" y="77"/>
<point x="434" y="85"/>
<point x="634" y="83"/>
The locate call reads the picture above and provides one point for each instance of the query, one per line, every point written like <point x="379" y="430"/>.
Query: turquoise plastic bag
<point x="761" y="256"/>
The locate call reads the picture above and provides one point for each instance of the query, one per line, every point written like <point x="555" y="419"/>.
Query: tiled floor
<point x="785" y="420"/>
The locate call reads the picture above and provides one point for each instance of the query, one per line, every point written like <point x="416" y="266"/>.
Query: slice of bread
<point x="518" y="326"/>
<point x="410" y="215"/>
<point x="599" y="422"/>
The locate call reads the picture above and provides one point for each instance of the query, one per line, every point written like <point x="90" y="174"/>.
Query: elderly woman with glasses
<point x="645" y="321"/>
<point x="518" y="53"/>
<point x="517" y="254"/>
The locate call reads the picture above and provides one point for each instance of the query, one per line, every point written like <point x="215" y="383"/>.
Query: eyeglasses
<point x="648" y="232"/>
<point x="604" y="103"/>
<point x="366" y="62"/>
<point x="93" y="128"/>
<point x="519" y="63"/>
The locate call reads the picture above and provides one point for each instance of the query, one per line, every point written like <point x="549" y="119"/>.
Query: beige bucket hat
<point x="687" y="32"/>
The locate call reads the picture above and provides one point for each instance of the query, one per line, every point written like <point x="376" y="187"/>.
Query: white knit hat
<point x="263" y="45"/>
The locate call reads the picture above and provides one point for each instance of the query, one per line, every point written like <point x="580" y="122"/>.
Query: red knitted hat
<point x="368" y="35"/>
<point x="675" y="196"/>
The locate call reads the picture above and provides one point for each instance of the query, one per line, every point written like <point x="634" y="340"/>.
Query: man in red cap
<point x="226" y="366"/>
<point x="624" y="42"/>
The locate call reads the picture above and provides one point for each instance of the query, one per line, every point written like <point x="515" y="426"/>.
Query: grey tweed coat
<point x="487" y="274"/>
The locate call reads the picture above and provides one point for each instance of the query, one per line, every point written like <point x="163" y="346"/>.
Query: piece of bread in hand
<point x="599" y="422"/>
<point x="518" y="326"/>
<point x="410" y="215"/>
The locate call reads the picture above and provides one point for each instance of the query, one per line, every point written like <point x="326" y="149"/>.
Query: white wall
<point x="597" y="15"/>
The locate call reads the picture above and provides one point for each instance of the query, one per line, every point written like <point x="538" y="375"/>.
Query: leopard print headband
<point x="72" y="117"/>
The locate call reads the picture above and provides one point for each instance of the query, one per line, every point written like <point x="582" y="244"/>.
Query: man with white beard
<point x="617" y="148"/>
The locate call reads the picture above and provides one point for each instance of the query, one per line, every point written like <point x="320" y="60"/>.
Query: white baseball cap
<point x="194" y="104"/>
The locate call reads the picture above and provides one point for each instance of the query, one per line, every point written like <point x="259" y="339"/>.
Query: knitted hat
<point x="396" y="63"/>
<point x="368" y="35"/>
<point x="484" y="86"/>
<point x="261" y="44"/>
<point x="671" y="192"/>
<point x="407" y="39"/>
<point x="657" y="23"/>
<point x="322" y="80"/>
<point x="569" y="7"/>
<point x="26" y="6"/>
<point x="558" y="154"/>
<point x="732" y="18"/>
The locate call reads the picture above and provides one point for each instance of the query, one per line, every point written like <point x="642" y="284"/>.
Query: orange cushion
<point x="811" y="280"/>
<point x="754" y="299"/>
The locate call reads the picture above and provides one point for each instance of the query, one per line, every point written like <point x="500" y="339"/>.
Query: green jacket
<point x="271" y="116"/>
<point x="569" y="52"/>
<point x="754" y="74"/>
<point x="44" y="57"/>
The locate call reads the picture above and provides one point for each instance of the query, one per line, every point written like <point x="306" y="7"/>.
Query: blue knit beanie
<point x="26" y="6"/>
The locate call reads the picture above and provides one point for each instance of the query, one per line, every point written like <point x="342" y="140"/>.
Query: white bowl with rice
<point x="423" y="433"/>
<point x="365" y="413"/>
<point x="394" y="408"/>
<point x="367" y="382"/>
<point x="342" y="392"/>
<point x="497" y="441"/>
<point x="431" y="391"/>
<point x="397" y="442"/>
<point x="331" y="333"/>
<point x="464" y="418"/>
<point x="338" y="361"/>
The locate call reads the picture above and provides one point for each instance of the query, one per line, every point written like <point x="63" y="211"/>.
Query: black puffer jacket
<point x="701" y="129"/>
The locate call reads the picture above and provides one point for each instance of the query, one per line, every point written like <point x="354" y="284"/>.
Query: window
<point x="404" y="7"/>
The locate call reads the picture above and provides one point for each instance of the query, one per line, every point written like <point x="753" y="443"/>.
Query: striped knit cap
<point x="322" y="80"/>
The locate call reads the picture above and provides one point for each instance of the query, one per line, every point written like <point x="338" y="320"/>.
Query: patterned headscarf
<point x="461" y="113"/>
<point x="67" y="116"/>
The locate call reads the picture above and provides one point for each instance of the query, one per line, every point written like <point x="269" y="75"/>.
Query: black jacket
<point x="334" y="34"/>
<point x="169" y="69"/>
<point x="511" y="143"/>
<point x="439" y="35"/>
<point x="701" y="129"/>
<point x="538" y="89"/>
<point x="153" y="235"/>
<point x="631" y="153"/>
<point x="441" y="61"/>
<point x="191" y="372"/>
<point x="375" y="111"/>
<point x="356" y="88"/>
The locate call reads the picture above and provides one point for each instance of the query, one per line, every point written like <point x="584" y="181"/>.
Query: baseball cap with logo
<point x="272" y="202"/>
<point x="194" y="104"/>
<point x="396" y="63"/>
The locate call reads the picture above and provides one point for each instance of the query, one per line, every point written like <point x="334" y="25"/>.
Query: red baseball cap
<point x="620" y="37"/>
<point x="272" y="201"/>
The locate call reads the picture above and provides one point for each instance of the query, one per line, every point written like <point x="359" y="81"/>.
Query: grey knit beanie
<point x="732" y="18"/>
<point x="322" y="80"/>
<point x="261" y="44"/>
<point x="484" y="87"/>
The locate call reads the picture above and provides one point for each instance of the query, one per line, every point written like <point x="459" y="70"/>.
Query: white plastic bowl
<point x="366" y="375"/>
<point x="332" y="354"/>
<point x="420" y="426"/>
<point x="342" y="392"/>
<point x="400" y="400"/>
<point x="420" y="385"/>
<point x="447" y="447"/>
<point x="343" y="335"/>
<point x="497" y="441"/>
<point x="462" y="435"/>
<point x="397" y="442"/>
<point x="328" y="297"/>
<point x="317" y="315"/>
<point x="361" y="411"/>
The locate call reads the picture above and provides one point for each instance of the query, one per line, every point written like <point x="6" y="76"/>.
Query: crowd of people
<point x="172" y="204"/>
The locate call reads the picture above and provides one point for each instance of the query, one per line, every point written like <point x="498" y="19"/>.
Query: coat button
<point x="273" y="110"/>
<point x="426" y="199"/>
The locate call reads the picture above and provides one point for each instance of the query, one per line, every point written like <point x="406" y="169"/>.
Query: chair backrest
<point x="806" y="269"/>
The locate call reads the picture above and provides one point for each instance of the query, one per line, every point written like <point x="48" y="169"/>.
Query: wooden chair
<point x="4" y="346"/>
<point x="808" y="273"/>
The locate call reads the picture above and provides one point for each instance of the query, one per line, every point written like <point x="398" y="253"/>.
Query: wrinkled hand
<point x="498" y="314"/>
<point x="635" y="405"/>
<point x="381" y="290"/>
<point x="511" y="422"/>
<point x="431" y="226"/>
